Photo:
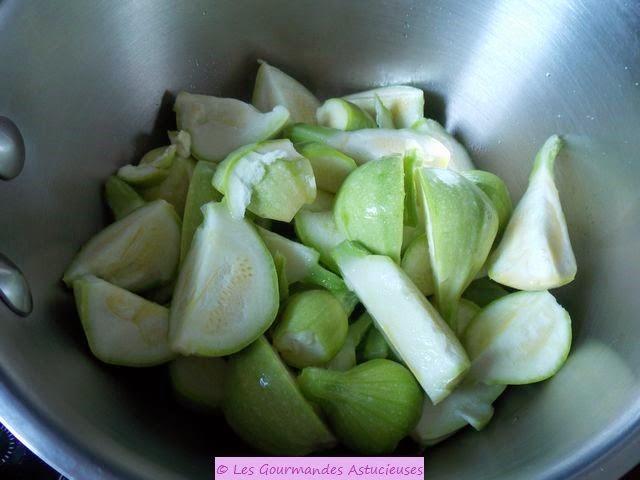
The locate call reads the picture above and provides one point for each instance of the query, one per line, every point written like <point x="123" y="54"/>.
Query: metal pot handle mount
<point x="14" y="289"/>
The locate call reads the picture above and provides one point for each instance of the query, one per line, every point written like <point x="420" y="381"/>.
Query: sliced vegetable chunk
<point x="522" y="338"/>
<point x="227" y="291"/>
<point x="321" y="277"/>
<point x="373" y="143"/>
<point x="274" y="87"/>
<point x="200" y="192"/>
<point x="369" y="206"/>
<point x="460" y="160"/>
<point x="345" y="359"/>
<point x="413" y="328"/>
<point x="265" y="407"/>
<point x="469" y="404"/>
<point x="465" y="313"/>
<point x="312" y="329"/>
<point x="153" y="168"/>
<point x="343" y="115"/>
<point x="319" y="230"/>
<point x="121" y="197"/>
<point x="218" y="126"/>
<point x="300" y="259"/>
<point x="384" y="117"/>
<point x="417" y="265"/>
<point x="322" y="203"/>
<point x="370" y="407"/>
<point x="535" y="251"/>
<point x="121" y="327"/>
<point x="199" y="381"/>
<point x="497" y="191"/>
<point x="182" y="141"/>
<point x="461" y="225"/>
<point x="175" y="187"/>
<point x="280" y="262"/>
<point x="374" y="346"/>
<point x="330" y="166"/>
<point x="405" y="103"/>
<point x="136" y="253"/>
<point x="271" y="179"/>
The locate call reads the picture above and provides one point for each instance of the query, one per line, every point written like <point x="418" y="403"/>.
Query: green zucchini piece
<point x="218" y="126"/>
<point x="265" y="407"/>
<point x="200" y="192"/>
<point x="369" y="206"/>
<point x="137" y="253"/>
<point x="330" y="166"/>
<point x="522" y="338"/>
<point x="274" y="87"/>
<point x="374" y="143"/>
<point x="412" y="327"/>
<point x="461" y="225"/>
<point x="311" y="330"/>
<point x="227" y="291"/>
<point x="370" y="407"/>
<point x="535" y="251"/>
<point x="405" y="103"/>
<point x="199" y="381"/>
<point x="121" y="327"/>
<point x="343" y="115"/>
<point x="121" y="197"/>
<point x="270" y="179"/>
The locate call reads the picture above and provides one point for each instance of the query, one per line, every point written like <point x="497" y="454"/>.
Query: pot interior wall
<point x="91" y="87"/>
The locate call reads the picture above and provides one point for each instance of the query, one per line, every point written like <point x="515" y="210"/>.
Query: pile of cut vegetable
<point x="325" y="273"/>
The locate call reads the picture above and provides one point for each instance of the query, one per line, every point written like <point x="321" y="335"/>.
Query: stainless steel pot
<point x="89" y="84"/>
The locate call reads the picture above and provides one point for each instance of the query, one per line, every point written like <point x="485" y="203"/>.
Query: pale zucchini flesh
<point x="371" y="144"/>
<point x="384" y="117"/>
<point x="175" y="187"/>
<point x="343" y="115"/>
<point x="274" y="87"/>
<point x="319" y="231"/>
<point x="138" y="252"/>
<point x="417" y="265"/>
<point x="461" y="224"/>
<point x="200" y="192"/>
<point x="405" y="103"/>
<point x="521" y="338"/>
<point x="460" y="160"/>
<point x="469" y="404"/>
<point x="153" y="168"/>
<point x="330" y="167"/>
<point x="300" y="259"/>
<point x="182" y="142"/>
<point x="227" y="291"/>
<point x="270" y="179"/>
<point x="121" y="327"/>
<point x="413" y="328"/>
<point x="218" y="126"/>
<point x="466" y="312"/>
<point x="497" y="191"/>
<point x="535" y="252"/>
<point x="322" y="203"/>
<point x="121" y="197"/>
